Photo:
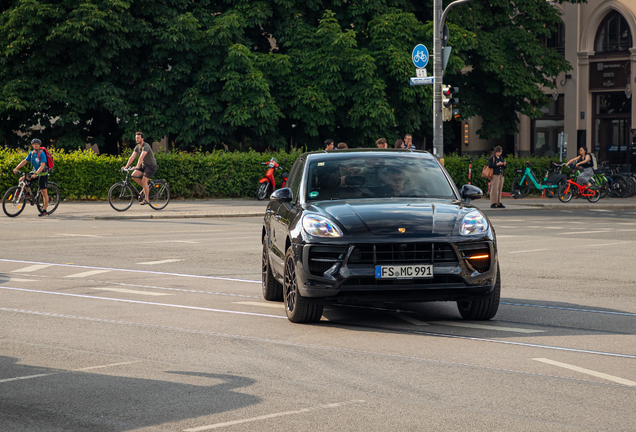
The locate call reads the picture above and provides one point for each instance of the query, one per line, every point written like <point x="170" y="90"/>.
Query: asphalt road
<point x="159" y="325"/>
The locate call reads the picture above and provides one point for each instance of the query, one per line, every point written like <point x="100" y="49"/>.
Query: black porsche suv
<point x="377" y="225"/>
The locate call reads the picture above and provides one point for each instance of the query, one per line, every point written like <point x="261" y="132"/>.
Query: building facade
<point x="593" y="104"/>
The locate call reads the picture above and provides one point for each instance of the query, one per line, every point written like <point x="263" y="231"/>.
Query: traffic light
<point x="448" y="112"/>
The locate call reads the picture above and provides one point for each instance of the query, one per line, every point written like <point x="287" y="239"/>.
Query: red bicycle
<point x="267" y="184"/>
<point x="571" y="188"/>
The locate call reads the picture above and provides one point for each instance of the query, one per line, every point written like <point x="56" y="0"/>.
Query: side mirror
<point x="470" y="192"/>
<point x="282" y="195"/>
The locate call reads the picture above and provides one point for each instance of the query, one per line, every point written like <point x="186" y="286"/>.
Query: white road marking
<point x="263" y="304"/>
<point x="601" y="210"/>
<point x="7" y="279"/>
<point x="587" y="371"/>
<point x="142" y="302"/>
<point x="586" y="232"/>
<point x="533" y="250"/>
<point x="32" y="268"/>
<point x="553" y="227"/>
<point x="66" y="371"/>
<point x="485" y="327"/>
<point x="176" y="241"/>
<point x="408" y="319"/>
<point x="77" y="235"/>
<point x="610" y="244"/>
<point x="623" y="229"/>
<point x="160" y="262"/>
<point x="136" y="271"/>
<point x="129" y="291"/>
<point x="269" y="416"/>
<point x="88" y="273"/>
<point x="508" y="236"/>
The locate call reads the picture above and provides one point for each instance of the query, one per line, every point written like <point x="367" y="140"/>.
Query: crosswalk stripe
<point x="263" y="304"/>
<point x="129" y="291"/>
<point x="160" y="262"/>
<point x="485" y="327"/>
<point x="88" y="273"/>
<point x="32" y="268"/>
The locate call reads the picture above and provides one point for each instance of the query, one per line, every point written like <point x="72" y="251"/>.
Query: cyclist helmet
<point x="36" y="140"/>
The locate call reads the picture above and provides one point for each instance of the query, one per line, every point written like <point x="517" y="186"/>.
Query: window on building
<point x="557" y="40"/>
<point x="614" y="35"/>
<point x="546" y="130"/>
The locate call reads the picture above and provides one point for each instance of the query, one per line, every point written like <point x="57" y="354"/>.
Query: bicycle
<point x="15" y="197"/>
<point x="567" y="191"/>
<point x="121" y="195"/>
<point x="521" y="186"/>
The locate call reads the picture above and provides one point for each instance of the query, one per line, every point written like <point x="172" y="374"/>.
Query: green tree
<point x="260" y="73"/>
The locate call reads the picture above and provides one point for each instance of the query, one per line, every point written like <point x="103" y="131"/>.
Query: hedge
<point x="220" y="174"/>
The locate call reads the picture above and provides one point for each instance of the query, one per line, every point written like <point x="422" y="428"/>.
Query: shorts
<point x="148" y="170"/>
<point x="43" y="181"/>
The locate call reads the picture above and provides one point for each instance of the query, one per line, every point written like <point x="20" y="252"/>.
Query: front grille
<point x="322" y="258"/>
<point x="402" y="253"/>
<point x="478" y="251"/>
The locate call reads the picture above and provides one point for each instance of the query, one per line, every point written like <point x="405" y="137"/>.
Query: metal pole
<point x="438" y="124"/>
<point x="438" y="25"/>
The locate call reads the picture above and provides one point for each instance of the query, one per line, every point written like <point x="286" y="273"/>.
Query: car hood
<point x="415" y="217"/>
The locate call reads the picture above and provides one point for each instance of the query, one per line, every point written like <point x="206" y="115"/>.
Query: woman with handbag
<point x="498" y="165"/>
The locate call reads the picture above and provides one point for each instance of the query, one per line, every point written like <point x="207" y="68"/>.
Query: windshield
<point x="367" y="176"/>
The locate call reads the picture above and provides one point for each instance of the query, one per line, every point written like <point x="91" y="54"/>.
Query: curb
<point x="180" y="216"/>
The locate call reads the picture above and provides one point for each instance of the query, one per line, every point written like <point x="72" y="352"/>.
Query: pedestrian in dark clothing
<point x="329" y="144"/>
<point x="498" y="165"/>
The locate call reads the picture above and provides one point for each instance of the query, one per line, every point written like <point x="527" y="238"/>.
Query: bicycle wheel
<point x="565" y="193"/>
<point x="14" y="201"/>
<point x="159" y="195"/>
<point x="120" y="196"/>
<point x="54" y="199"/>
<point x="597" y="194"/>
<point x="520" y="189"/>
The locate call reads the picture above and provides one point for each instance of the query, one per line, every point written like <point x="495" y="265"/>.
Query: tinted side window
<point x="295" y="176"/>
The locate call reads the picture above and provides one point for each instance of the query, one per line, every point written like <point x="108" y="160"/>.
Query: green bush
<point x="220" y="174"/>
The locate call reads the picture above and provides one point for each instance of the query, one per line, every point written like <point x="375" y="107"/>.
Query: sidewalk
<point x="219" y="208"/>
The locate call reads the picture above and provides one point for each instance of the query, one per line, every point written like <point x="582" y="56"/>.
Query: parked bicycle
<point x="122" y="194"/>
<point x="16" y="197"/>
<point x="550" y="183"/>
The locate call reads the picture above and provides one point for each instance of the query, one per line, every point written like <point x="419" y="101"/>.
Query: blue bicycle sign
<point x="420" y="56"/>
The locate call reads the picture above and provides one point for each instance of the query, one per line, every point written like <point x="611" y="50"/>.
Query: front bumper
<point x="330" y="273"/>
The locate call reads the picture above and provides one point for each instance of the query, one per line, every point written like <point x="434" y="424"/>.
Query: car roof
<point x="348" y="153"/>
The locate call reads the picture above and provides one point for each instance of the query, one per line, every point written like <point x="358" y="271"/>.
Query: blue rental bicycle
<point x="550" y="183"/>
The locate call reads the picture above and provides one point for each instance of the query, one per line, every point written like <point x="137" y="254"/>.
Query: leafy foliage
<point x="260" y="73"/>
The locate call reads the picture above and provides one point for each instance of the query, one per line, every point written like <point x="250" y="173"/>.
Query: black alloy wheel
<point x="272" y="289"/>
<point x="262" y="191"/>
<point x="482" y="310"/>
<point x="297" y="308"/>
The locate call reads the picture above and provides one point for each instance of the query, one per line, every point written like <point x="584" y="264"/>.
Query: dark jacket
<point x="492" y="163"/>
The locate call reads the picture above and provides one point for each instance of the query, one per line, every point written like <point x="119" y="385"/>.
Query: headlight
<point x="473" y="223"/>
<point x="320" y="226"/>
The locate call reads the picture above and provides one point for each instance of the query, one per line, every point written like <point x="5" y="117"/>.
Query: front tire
<point x="12" y="203"/>
<point x="565" y="193"/>
<point x="261" y="191"/>
<point x="482" y="310"/>
<point x="272" y="289"/>
<point x="120" y="197"/>
<point x="159" y="195"/>
<point x="520" y="189"/>
<point x="54" y="199"/>
<point x="596" y="196"/>
<point x="297" y="308"/>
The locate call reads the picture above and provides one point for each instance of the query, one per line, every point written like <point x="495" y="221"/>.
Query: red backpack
<point x="49" y="159"/>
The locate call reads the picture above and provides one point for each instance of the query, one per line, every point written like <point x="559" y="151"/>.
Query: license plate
<point x="404" y="271"/>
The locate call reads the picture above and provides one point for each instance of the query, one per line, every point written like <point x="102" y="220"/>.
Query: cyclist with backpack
<point x="584" y="163"/>
<point x="38" y="158"/>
